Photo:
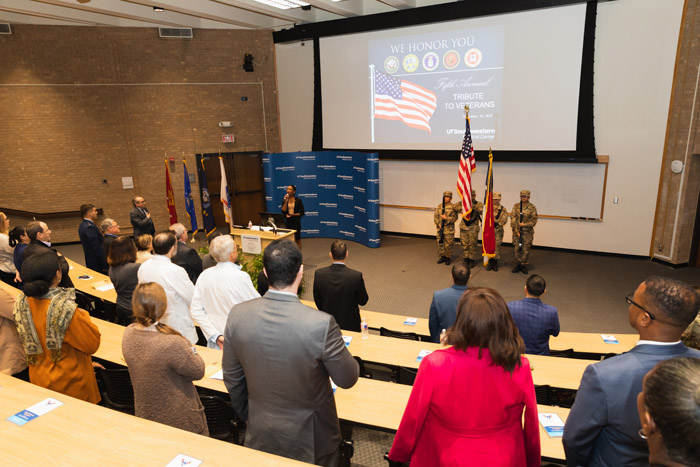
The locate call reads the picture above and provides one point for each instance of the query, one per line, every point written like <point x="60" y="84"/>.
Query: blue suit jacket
<point x="443" y="310"/>
<point x="536" y="322"/>
<point x="602" y="427"/>
<point x="91" y="238"/>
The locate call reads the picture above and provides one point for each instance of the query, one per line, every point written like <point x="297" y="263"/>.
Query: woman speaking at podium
<point x="293" y="209"/>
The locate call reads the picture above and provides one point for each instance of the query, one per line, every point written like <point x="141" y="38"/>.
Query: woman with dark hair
<point x="466" y="406"/>
<point x="123" y="271"/>
<point x="19" y="241"/>
<point x="293" y="209"/>
<point x="8" y="272"/>
<point x="162" y="365"/>
<point x="669" y="412"/>
<point x="57" y="336"/>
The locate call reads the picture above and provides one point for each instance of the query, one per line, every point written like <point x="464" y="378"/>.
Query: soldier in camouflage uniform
<point x="469" y="232"/>
<point x="445" y="218"/>
<point x="500" y="217"/>
<point x="526" y="225"/>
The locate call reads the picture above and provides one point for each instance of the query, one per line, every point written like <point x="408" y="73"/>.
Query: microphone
<point x="272" y="223"/>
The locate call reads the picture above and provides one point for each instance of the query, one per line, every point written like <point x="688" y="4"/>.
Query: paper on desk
<point x="29" y="414"/>
<point x="410" y="321"/>
<point x="182" y="459"/>
<point x="218" y="375"/>
<point x="609" y="339"/>
<point x="552" y="424"/>
<point x="104" y="287"/>
<point x="347" y="340"/>
<point x="422" y="354"/>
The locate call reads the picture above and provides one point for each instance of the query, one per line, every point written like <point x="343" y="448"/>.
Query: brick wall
<point x="84" y="105"/>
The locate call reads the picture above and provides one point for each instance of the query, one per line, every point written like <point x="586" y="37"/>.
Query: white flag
<point x="225" y="199"/>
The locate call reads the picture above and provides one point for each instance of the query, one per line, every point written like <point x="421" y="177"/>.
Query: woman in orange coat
<point x="57" y="337"/>
<point x="466" y="406"/>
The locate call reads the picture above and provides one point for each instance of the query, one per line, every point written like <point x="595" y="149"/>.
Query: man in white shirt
<point x="218" y="289"/>
<point x="178" y="287"/>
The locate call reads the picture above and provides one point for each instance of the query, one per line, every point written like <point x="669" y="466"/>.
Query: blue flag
<point x="189" y="200"/>
<point x="207" y="213"/>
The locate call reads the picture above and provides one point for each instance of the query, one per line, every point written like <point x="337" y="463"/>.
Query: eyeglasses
<point x="629" y="301"/>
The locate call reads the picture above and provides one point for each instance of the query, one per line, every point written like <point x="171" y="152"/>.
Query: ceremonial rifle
<point x="520" y="226"/>
<point x="442" y="225"/>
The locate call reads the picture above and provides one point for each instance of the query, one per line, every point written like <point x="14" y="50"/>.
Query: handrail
<point x="44" y="215"/>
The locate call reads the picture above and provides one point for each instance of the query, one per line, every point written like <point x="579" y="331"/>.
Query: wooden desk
<point x="82" y="434"/>
<point x="265" y="237"/>
<point x="592" y="343"/>
<point x="88" y="286"/>
<point x="554" y="371"/>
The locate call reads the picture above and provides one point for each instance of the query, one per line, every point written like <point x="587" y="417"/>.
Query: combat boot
<point x="517" y="267"/>
<point x="447" y="260"/>
<point x="441" y="260"/>
<point x="523" y="268"/>
<point x="489" y="266"/>
<point x="495" y="265"/>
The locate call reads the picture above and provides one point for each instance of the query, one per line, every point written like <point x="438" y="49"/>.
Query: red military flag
<point x="170" y="195"/>
<point x="488" y="233"/>
<point x="467" y="165"/>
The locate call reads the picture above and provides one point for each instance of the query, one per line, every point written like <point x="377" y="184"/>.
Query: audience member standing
<point x="91" y="238"/>
<point x="110" y="230"/>
<point x="19" y="241"/>
<point x="162" y="365"/>
<point x="473" y="403"/>
<point x="443" y="308"/>
<point x="123" y="272"/>
<point x="174" y="280"/>
<point x="535" y="320"/>
<point x="219" y="289"/>
<point x="669" y="411"/>
<point x="602" y="428"/>
<point x="339" y="290"/>
<point x="13" y="360"/>
<point x="186" y="257"/>
<point x="40" y="241"/>
<point x="144" y="248"/>
<point x="278" y="355"/>
<point x="141" y="218"/>
<point x="56" y="335"/>
<point x="8" y="272"/>
<point x="208" y="261"/>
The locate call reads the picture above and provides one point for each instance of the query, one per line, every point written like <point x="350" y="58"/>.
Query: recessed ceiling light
<point x="158" y="9"/>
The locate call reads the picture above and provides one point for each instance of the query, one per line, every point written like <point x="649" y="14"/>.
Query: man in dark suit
<point x="278" y="355"/>
<point x="186" y="257"/>
<point x="443" y="308"/>
<point x="535" y="320"/>
<point x="40" y="240"/>
<point x="339" y="290"/>
<point x="603" y="426"/>
<point x="91" y="238"/>
<point x="110" y="231"/>
<point x="141" y="218"/>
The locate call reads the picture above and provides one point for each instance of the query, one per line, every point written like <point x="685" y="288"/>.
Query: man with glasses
<point x="141" y="218"/>
<point x="603" y="426"/>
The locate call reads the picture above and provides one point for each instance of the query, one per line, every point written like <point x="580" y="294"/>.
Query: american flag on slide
<point x="396" y="99"/>
<point x="467" y="165"/>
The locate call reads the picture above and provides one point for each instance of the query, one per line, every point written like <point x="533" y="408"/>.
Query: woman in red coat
<point x="466" y="406"/>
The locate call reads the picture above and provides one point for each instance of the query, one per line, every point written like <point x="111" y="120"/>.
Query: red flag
<point x="488" y="234"/>
<point x="467" y="165"/>
<point x="170" y="195"/>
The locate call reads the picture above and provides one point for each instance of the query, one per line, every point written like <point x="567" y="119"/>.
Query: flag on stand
<point x="189" y="201"/>
<point x="396" y="99"/>
<point x="225" y="198"/>
<point x="488" y="233"/>
<point x="169" y="195"/>
<point x="467" y="165"/>
<point x="207" y="213"/>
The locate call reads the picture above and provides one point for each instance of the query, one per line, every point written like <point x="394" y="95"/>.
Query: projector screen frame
<point x="585" y="139"/>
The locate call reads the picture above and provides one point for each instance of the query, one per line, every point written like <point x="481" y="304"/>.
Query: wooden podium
<point x="265" y="237"/>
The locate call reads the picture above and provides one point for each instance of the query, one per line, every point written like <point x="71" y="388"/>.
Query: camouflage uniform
<point x="445" y="247"/>
<point x="500" y="217"/>
<point x="529" y="219"/>
<point x="469" y="232"/>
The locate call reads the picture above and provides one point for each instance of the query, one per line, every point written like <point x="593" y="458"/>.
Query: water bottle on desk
<point x="365" y="328"/>
<point x="250" y="224"/>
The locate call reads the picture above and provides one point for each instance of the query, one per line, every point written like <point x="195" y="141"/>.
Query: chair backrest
<point x="543" y="394"/>
<point x="119" y="394"/>
<point x="220" y="418"/>
<point x="411" y="336"/>
<point x="568" y="353"/>
<point x="395" y="463"/>
<point x="406" y="375"/>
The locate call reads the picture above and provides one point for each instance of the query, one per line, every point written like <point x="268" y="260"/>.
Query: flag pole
<point x="371" y="97"/>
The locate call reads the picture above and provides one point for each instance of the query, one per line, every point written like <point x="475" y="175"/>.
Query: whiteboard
<point x="568" y="190"/>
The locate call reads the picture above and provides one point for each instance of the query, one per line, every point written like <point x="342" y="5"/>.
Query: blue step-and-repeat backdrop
<point x="340" y="192"/>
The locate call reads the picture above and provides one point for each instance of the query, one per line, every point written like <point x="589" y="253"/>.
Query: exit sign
<point x="227" y="138"/>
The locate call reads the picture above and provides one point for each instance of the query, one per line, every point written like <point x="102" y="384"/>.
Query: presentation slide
<point x="407" y="88"/>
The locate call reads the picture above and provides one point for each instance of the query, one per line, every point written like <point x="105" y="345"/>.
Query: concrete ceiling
<point x="206" y="14"/>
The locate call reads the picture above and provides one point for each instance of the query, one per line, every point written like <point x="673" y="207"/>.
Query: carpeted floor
<point x="401" y="275"/>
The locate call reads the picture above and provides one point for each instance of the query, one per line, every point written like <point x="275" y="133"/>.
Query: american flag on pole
<point x="467" y="165"/>
<point x="396" y="99"/>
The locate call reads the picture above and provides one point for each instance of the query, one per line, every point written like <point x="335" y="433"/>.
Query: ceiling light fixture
<point x="158" y="9"/>
<point x="283" y="4"/>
